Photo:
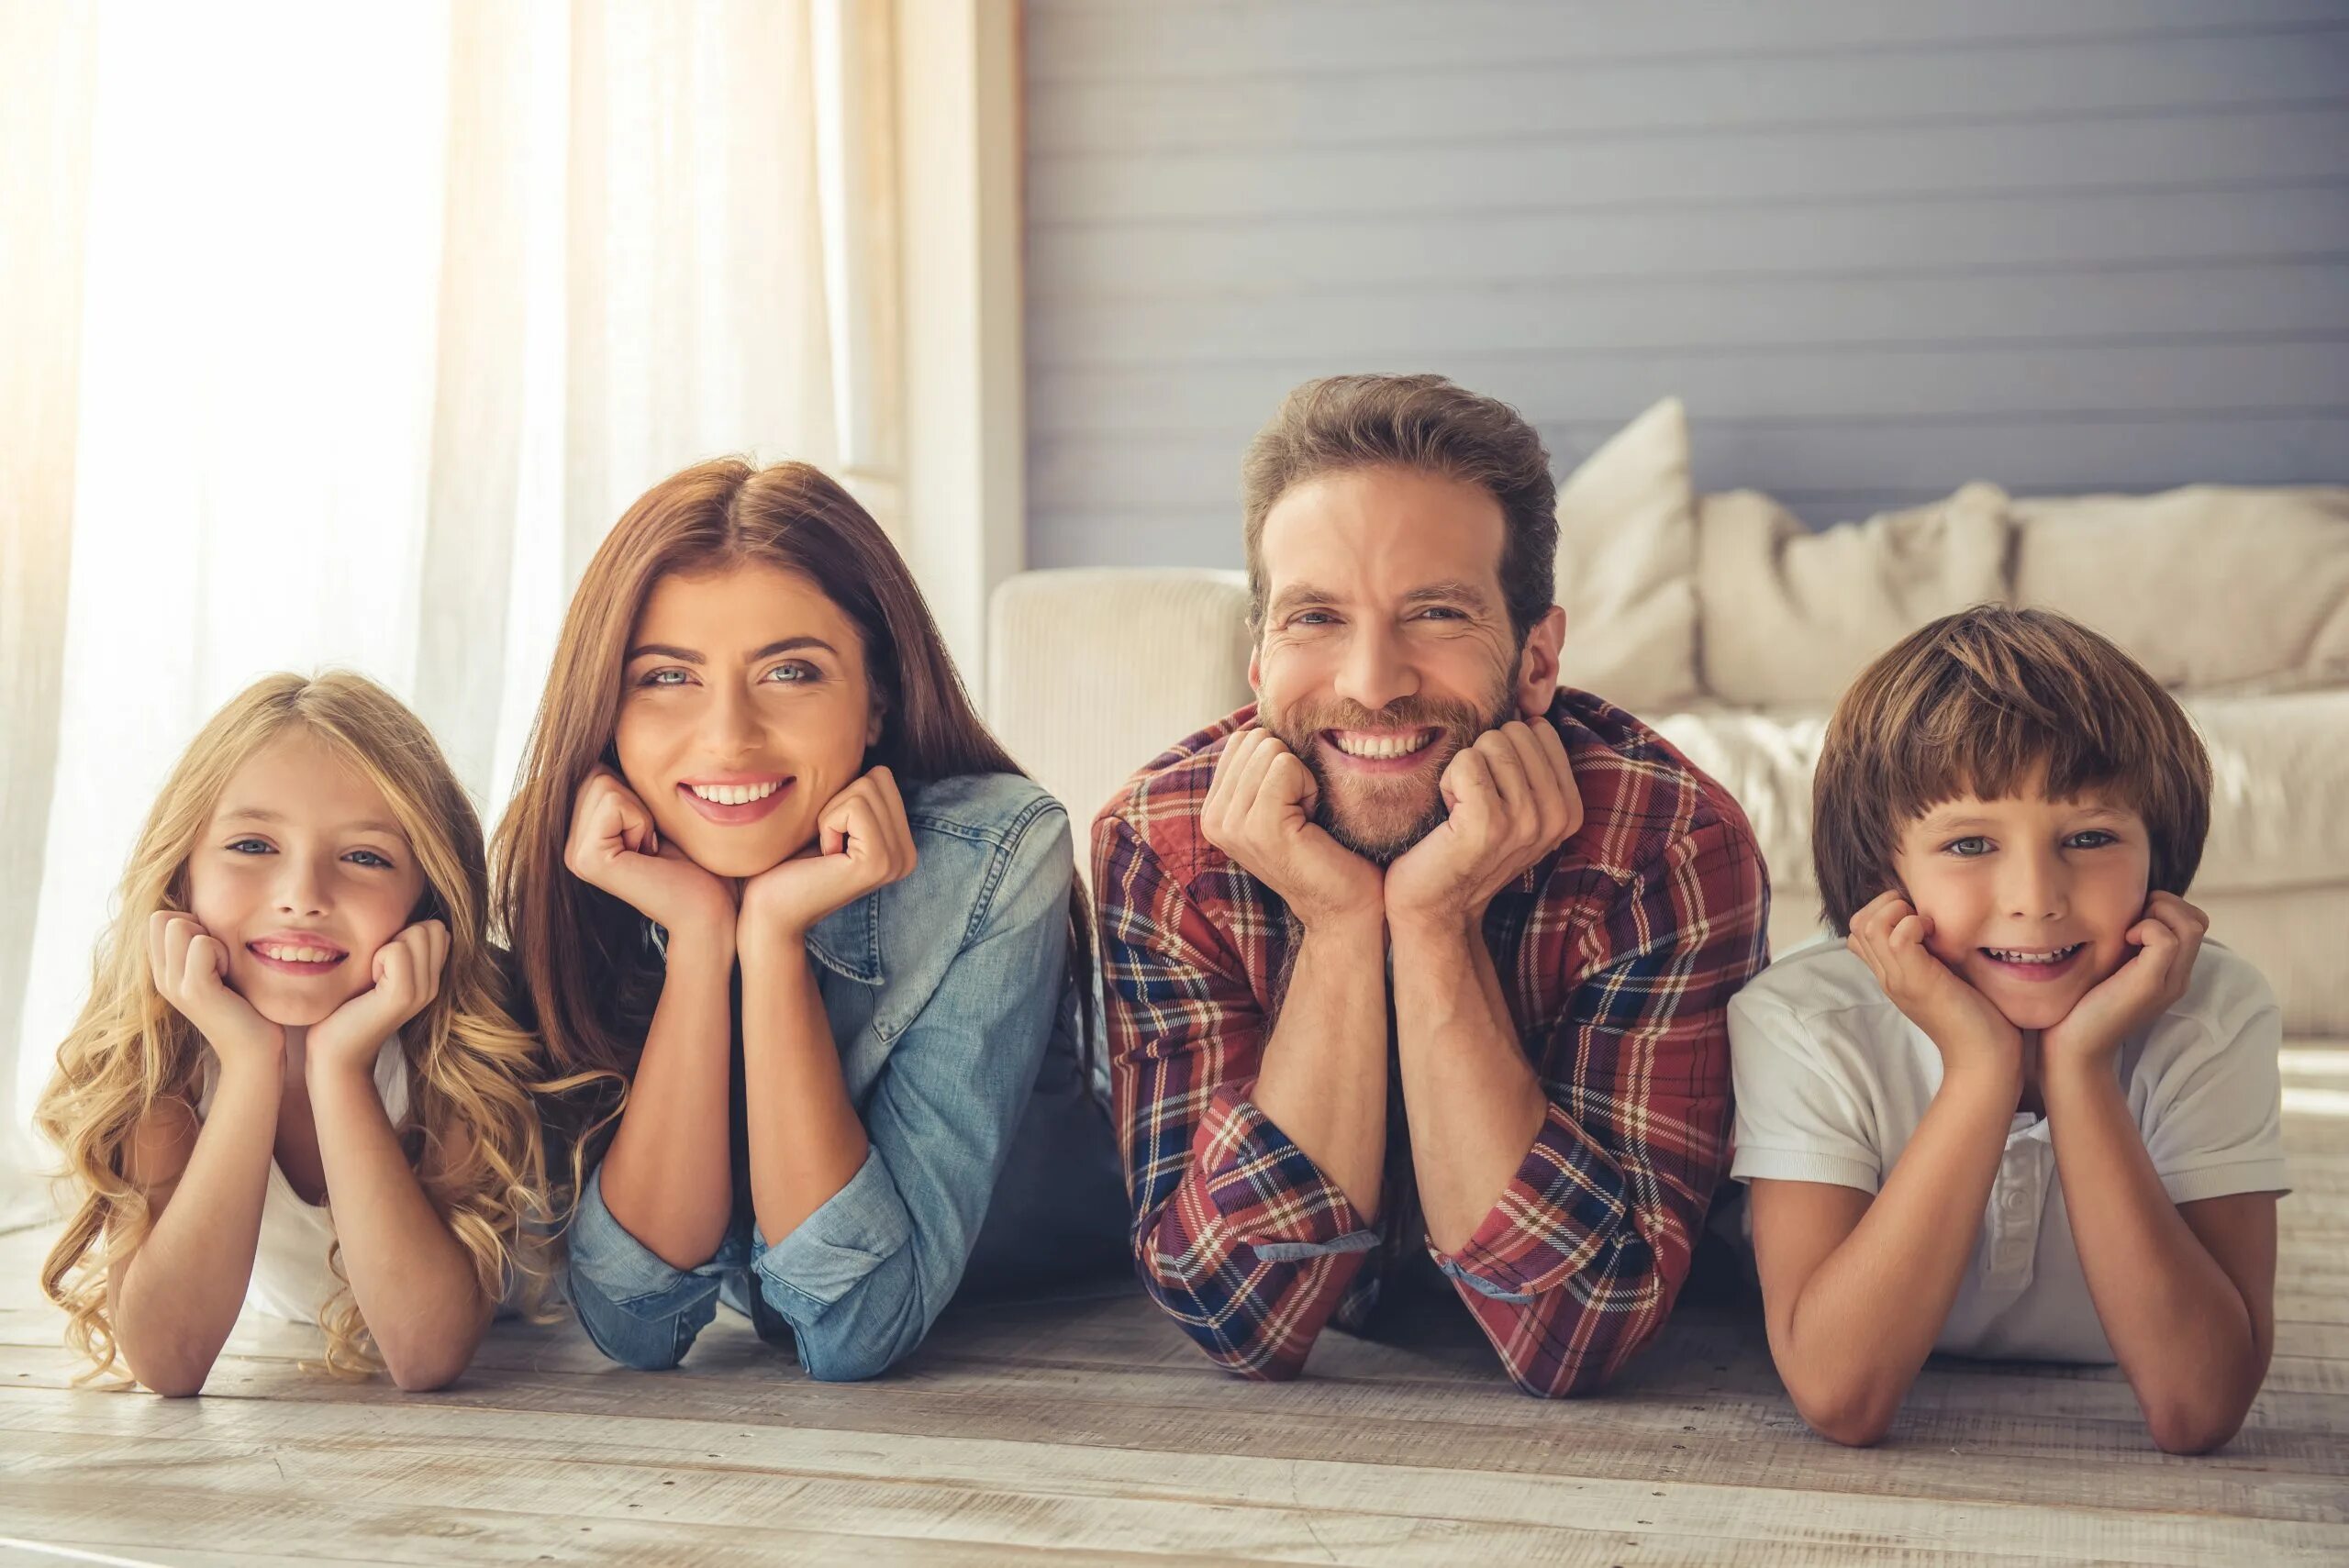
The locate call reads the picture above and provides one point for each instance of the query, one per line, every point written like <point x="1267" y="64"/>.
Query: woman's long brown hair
<point x="583" y="959"/>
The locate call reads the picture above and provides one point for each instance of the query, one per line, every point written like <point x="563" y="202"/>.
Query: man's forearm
<point x="1475" y="1102"/>
<point x="1323" y="1077"/>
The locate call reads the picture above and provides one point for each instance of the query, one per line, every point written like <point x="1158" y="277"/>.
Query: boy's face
<point x="2029" y="898"/>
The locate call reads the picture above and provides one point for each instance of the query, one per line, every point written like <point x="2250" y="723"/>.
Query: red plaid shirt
<point x="1620" y="953"/>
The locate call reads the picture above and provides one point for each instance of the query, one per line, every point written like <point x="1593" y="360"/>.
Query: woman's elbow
<point x="425" y="1374"/>
<point x="173" y="1383"/>
<point x="2182" y="1428"/>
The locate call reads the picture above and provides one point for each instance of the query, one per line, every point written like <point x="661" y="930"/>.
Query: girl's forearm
<point x="413" y="1280"/>
<point x="668" y="1178"/>
<point x="176" y="1300"/>
<point x="1863" y="1324"/>
<point x="2180" y="1328"/>
<point x="805" y="1139"/>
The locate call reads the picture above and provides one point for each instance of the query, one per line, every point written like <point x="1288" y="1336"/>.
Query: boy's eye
<point x="2093" y="838"/>
<point x="1967" y="848"/>
<point x="368" y="858"/>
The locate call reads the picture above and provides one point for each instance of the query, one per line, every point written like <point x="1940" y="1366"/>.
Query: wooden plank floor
<point x="1085" y="1430"/>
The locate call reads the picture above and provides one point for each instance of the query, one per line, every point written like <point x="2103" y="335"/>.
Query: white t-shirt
<point x="291" y="1277"/>
<point x="1833" y="1079"/>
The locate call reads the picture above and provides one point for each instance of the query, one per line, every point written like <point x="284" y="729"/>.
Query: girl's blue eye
<point x="1968" y="848"/>
<point x="250" y="847"/>
<point x="368" y="858"/>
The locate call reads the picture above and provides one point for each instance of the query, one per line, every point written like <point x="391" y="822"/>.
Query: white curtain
<point x="340" y="335"/>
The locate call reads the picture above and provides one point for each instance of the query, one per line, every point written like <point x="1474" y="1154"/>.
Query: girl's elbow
<point x="1854" y="1417"/>
<point x="424" y="1376"/>
<point x="173" y="1383"/>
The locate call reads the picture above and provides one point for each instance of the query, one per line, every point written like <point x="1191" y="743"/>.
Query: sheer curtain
<point x="338" y="336"/>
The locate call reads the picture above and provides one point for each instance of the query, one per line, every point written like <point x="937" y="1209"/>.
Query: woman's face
<point x="744" y="708"/>
<point x="302" y="874"/>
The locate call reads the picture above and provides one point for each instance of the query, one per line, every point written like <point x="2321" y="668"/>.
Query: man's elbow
<point x="2187" y="1428"/>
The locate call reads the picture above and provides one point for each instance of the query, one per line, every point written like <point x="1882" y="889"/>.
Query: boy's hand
<point x="190" y="969"/>
<point x="2168" y="940"/>
<point x="406" y="976"/>
<point x="1974" y="1037"/>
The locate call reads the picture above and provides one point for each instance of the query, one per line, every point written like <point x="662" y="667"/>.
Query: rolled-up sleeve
<point x="636" y="1308"/>
<point x="861" y="1280"/>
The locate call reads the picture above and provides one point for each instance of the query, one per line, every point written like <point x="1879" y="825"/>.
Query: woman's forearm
<point x="805" y="1136"/>
<point x="668" y="1177"/>
<point x="414" y="1281"/>
<point x="2180" y="1328"/>
<point x="1861" y="1325"/>
<point x="175" y="1301"/>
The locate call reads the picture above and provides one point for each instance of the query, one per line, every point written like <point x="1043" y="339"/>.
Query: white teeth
<point x="1380" y="746"/>
<point x="285" y="954"/>
<point x="735" y="794"/>
<point x="2010" y="955"/>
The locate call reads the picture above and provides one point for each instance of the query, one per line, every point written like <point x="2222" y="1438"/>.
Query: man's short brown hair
<point x="1343" y="423"/>
<point x="1972" y="704"/>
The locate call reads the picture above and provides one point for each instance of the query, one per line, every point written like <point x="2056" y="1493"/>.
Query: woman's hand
<point x="1973" y="1035"/>
<point x="406" y="977"/>
<point x="862" y="841"/>
<point x="613" y="845"/>
<point x="190" y="969"/>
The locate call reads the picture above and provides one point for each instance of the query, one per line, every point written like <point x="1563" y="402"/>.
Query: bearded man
<point x="1418" y="969"/>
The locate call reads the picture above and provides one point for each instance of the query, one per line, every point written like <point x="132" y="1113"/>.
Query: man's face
<point x="1386" y="646"/>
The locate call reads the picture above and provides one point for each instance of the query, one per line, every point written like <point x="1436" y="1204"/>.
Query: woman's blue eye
<point x="661" y="678"/>
<point x="1968" y="848"/>
<point x="792" y="674"/>
<point x="368" y="858"/>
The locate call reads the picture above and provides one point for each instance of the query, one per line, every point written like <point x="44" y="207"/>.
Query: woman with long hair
<point x="765" y="864"/>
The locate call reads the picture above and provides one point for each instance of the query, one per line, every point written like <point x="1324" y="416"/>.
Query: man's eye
<point x="368" y="858"/>
<point x="1968" y="848"/>
<point x="1441" y="612"/>
<point x="1311" y="618"/>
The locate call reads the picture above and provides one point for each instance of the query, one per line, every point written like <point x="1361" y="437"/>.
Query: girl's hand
<point x="408" y="976"/>
<point x="862" y="841"/>
<point x="190" y="969"/>
<point x="613" y="845"/>
<point x="1973" y="1035"/>
<point x="2168" y="940"/>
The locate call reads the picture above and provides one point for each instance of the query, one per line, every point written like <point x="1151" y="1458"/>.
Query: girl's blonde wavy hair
<point x="468" y="1065"/>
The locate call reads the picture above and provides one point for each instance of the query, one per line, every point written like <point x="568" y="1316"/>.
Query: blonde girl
<point x="295" y="1085"/>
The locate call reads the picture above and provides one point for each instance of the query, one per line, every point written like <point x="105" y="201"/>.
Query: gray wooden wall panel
<point x="2067" y="245"/>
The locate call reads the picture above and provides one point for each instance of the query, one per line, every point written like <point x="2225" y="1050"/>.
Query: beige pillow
<point x="2211" y="587"/>
<point x="1790" y="615"/>
<point x="1627" y="562"/>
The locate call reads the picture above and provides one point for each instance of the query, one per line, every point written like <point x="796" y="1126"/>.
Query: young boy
<point x="2025" y="1110"/>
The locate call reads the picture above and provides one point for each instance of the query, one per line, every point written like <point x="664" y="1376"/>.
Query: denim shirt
<point x="955" y="1031"/>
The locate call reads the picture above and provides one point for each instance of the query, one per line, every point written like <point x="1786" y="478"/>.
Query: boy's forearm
<point x="415" y="1283"/>
<point x="2179" y="1326"/>
<point x="1323" y="1078"/>
<point x="668" y="1177"/>
<point x="176" y="1300"/>
<point x="1863" y="1323"/>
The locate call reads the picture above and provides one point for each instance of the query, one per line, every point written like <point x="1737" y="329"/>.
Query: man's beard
<point x="1382" y="818"/>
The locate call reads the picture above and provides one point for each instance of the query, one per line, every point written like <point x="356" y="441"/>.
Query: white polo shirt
<point x="1833" y="1079"/>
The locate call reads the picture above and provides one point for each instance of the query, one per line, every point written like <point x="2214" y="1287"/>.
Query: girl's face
<point x="302" y="874"/>
<point x="2030" y="899"/>
<point x="744" y="708"/>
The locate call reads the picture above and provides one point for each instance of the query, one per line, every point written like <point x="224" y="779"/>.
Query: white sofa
<point x="1732" y="627"/>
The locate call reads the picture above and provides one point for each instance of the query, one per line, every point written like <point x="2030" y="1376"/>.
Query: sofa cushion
<point x="2262" y="576"/>
<point x="1627" y="562"/>
<point x="1788" y="616"/>
<point x="2280" y="763"/>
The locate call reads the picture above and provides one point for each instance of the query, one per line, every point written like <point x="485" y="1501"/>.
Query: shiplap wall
<point x="1880" y="246"/>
